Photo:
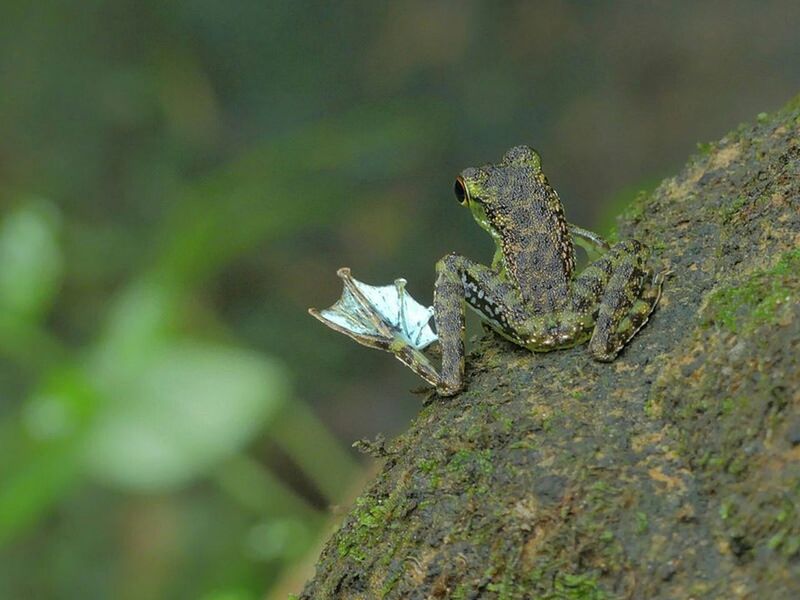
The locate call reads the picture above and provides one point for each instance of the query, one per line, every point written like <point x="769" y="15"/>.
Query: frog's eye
<point x="460" y="188"/>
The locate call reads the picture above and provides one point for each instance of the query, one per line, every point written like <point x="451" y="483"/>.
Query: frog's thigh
<point x="626" y="303"/>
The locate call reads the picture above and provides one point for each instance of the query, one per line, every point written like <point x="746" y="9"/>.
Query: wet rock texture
<point x="673" y="472"/>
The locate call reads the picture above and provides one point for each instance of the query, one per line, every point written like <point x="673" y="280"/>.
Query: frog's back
<point x="537" y="250"/>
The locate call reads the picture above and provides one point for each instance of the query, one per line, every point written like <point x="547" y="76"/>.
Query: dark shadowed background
<point x="180" y="181"/>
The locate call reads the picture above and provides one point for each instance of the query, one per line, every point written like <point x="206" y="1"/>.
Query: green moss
<point x="526" y="444"/>
<point x="547" y="423"/>
<point x="700" y="589"/>
<point x="642" y="524"/>
<point x="565" y="586"/>
<point x="792" y="546"/>
<point x="784" y="514"/>
<point x="635" y="210"/>
<point x="716" y="462"/>
<point x="726" y="509"/>
<point x="790" y="107"/>
<point x="503" y="589"/>
<point x="390" y="583"/>
<point x="734" y="208"/>
<point x="776" y="540"/>
<point x="738" y="465"/>
<point x="480" y="460"/>
<point x="346" y="548"/>
<point x="705" y="148"/>
<point x="599" y="488"/>
<point x="427" y="465"/>
<point x="577" y="587"/>
<point x="370" y="516"/>
<point x="728" y="404"/>
<point x="757" y="301"/>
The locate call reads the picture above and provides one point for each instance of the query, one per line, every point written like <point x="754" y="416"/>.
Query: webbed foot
<point x="388" y="318"/>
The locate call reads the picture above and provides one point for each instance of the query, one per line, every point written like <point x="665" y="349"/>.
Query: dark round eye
<point x="460" y="188"/>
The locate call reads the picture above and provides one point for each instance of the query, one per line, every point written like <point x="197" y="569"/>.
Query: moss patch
<point x="759" y="299"/>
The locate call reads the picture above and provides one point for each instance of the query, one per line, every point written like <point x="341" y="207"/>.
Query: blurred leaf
<point x="235" y="594"/>
<point x="188" y="408"/>
<point x="30" y="260"/>
<point x="34" y="485"/>
<point x="278" y="539"/>
<point x="141" y="317"/>
<point x="29" y="344"/>
<point x="64" y="403"/>
<point x="40" y="461"/>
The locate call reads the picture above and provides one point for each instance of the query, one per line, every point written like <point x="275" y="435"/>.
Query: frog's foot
<point x="631" y="297"/>
<point x="385" y="317"/>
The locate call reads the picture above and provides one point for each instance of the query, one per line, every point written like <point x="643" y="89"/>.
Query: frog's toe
<point x="601" y="352"/>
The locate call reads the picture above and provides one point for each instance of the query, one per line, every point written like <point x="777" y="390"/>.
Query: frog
<point x="530" y="294"/>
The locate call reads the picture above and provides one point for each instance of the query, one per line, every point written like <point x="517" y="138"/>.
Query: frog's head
<point x="493" y="192"/>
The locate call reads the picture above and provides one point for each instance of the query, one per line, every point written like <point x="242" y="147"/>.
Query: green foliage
<point x="180" y="413"/>
<point x="31" y="259"/>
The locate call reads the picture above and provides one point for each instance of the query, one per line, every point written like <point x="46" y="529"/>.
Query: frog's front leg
<point x="461" y="280"/>
<point x="630" y="295"/>
<point x="593" y="243"/>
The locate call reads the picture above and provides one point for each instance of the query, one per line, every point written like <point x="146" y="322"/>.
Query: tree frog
<point x="531" y="294"/>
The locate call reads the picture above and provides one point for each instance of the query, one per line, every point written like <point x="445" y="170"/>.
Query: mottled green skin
<point x="531" y="294"/>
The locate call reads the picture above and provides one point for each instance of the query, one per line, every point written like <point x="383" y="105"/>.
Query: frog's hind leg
<point x="461" y="280"/>
<point x="630" y="296"/>
<point x="606" y="348"/>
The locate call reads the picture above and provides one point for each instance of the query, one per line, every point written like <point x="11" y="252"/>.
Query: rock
<point x="672" y="472"/>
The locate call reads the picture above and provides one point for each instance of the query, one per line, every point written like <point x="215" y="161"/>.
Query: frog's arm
<point x="594" y="244"/>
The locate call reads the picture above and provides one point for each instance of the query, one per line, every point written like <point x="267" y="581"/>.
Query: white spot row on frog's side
<point x="470" y="287"/>
<point x="479" y="301"/>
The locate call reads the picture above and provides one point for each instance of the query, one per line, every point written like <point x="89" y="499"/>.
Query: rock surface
<point x="673" y="472"/>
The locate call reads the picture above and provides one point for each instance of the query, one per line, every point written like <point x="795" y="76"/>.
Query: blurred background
<point x="179" y="181"/>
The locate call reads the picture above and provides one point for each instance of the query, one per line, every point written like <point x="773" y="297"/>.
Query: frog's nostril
<point x="460" y="188"/>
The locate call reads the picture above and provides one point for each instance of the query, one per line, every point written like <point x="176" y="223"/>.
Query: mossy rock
<point x="673" y="472"/>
